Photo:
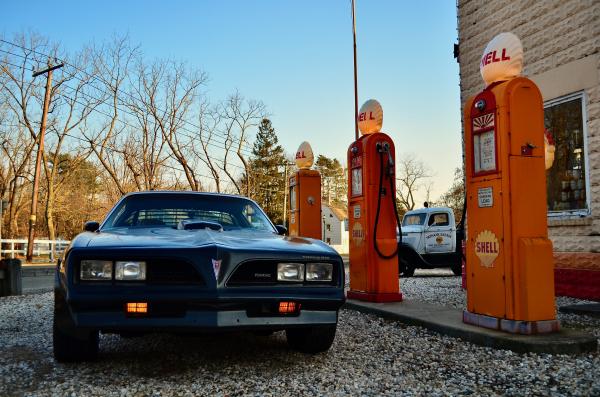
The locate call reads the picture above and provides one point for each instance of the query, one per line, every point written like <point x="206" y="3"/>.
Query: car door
<point x="438" y="233"/>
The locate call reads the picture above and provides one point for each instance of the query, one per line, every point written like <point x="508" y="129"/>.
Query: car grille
<point x="172" y="271"/>
<point x="254" y="272"/>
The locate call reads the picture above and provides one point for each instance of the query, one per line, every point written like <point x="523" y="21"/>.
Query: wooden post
<point x="38" y="159"/>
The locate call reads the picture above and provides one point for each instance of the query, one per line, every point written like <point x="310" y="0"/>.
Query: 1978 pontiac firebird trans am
<point x="181" y="262"/>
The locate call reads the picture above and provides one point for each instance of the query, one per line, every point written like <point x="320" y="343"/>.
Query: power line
<point x="246" y="151"/>
<point x="101" y="81"/>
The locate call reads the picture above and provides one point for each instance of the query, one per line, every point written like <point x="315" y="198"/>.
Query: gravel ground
<point x="370" y="356"/>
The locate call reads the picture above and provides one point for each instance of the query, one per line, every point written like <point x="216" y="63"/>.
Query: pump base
<point x="511" y="326"/>
<point x="379" y="297"/>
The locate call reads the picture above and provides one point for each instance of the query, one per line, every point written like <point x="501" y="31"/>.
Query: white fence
<point x="14" y="248"/>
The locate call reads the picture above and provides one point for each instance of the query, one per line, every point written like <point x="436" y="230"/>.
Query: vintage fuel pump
<point x="372" y="213"/>
<point x="509" y="256"/>
<point x="305" y="196"/>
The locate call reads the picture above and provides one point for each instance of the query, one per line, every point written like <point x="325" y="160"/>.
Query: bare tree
<point x="209" y="120"/>
<point x="412" y="174"/>
<point x="73" y="106"/>
<point x="112" y="67"/>
<point x="239" y="117"/>
<point x="167" y="90"/>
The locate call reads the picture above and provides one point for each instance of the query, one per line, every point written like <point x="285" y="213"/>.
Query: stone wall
<point x="561" y="40"/>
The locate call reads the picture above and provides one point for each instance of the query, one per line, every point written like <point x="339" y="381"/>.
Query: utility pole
<point x="355" y="75"/>
<point x="38" y="159"/>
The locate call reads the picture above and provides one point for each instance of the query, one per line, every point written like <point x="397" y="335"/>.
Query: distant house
<point x="335" y="227"/>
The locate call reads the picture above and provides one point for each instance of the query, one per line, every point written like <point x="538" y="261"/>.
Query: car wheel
<point x="72" y="344"/>
<point x="406" y="269"/>
<point x="457" y="269"/>
<point x="312" y="339"/>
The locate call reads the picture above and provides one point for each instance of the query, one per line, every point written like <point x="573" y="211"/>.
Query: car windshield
<point x="414" y="219"/>
<point x="167" y="210"/>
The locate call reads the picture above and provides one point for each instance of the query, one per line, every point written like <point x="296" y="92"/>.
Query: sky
<point x="295" y="56"/>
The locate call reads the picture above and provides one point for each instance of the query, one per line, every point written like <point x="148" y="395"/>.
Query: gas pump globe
<point x="372" y="211"/>
<point x="305" y="196"/>
<point x="509" y="256"/>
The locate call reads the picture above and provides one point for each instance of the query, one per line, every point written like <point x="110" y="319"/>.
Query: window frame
<point x="579" y="213"/>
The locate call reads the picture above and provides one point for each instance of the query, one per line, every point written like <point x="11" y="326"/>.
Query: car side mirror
<point x="281" y="230"/>
<point x="91" y="226"/>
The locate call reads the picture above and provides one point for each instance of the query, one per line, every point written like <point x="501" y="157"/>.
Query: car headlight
<point x="319" y="271"/>
<point x="94" y="270"/>
<point x="130" y="270"/>
<point x="290" y="272"/>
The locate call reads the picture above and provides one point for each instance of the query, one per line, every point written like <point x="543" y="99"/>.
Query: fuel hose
<point x="390" y="175"/>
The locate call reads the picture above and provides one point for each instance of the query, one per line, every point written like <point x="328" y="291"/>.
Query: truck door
<point x="438" y="233"/>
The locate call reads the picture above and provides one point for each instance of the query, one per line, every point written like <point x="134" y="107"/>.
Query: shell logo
<point x="502" y="59"/>
<point x="370" y="117"/>
<point x="304" y="156"/>
<point x="487" y="248"/>
<point x="358" y="234"/>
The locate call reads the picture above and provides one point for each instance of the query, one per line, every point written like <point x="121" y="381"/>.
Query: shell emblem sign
<point x="358" y="235"/>
<point x="487" y="248"/>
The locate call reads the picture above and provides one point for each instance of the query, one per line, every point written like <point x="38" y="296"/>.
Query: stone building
<point x="561" y="40"/>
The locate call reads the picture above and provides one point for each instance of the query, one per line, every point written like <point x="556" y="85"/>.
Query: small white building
<point x="335" y="227"/>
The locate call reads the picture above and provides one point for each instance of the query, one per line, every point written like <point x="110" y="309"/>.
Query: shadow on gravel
<point x="164" y="355"/>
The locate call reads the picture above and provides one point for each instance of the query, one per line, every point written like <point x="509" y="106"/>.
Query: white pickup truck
<point x="430" y="239"/>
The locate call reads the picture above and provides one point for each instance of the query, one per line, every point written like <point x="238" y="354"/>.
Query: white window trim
<point x="585" y="212"/>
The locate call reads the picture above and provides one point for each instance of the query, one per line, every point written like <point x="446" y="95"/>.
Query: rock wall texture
<point x="561" y="40"/>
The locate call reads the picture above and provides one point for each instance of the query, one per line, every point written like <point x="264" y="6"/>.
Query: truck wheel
<point x="72" y="344"/>
<point x="311" y="340"/>
<point x="406" y="269"/>
<point x="457" y="269"/>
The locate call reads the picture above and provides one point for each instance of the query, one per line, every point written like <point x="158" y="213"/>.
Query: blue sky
<point x="295" y="56"/>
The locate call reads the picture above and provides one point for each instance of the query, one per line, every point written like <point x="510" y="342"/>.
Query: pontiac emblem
<point x="216" y="267"/>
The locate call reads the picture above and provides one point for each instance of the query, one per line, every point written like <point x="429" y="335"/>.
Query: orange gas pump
<point x="372" y="211"/>
<point x="509" y="257"/>
<point x="305" y="196"/>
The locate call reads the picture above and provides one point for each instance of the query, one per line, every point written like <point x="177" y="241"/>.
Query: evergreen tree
<point x="267" y="175"/>
<point x="334" y="181"/>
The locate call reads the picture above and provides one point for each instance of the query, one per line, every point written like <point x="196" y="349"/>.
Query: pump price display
<point x="357" y="181"/>
<point x="484" y="145"/>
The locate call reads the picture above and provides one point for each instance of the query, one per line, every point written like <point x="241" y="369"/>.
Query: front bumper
<point x="174" y="312"/>
<point x="201" y="321"/>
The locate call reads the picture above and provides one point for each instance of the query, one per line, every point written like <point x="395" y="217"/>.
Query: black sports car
<point x="183" y="261"/>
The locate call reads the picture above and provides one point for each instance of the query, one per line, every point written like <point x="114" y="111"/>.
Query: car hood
<point x="173" y="238"/>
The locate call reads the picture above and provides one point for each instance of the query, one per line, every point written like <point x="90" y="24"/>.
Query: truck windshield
<point x="168" y="209"/>
<point x="414" y="219"/>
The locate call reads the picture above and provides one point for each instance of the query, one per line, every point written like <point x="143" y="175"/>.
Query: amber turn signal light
<point x="137" y="307"/>
<point x="288" y="307"/>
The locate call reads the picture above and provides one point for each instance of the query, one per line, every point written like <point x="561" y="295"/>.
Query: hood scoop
<point x="196" y="224"/>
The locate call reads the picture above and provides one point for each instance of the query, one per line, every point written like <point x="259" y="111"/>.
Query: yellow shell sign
<point x="487" y="248"/>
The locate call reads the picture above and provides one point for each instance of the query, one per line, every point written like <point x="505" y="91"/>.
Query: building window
<point x="567" y="181"/>
<point x="345" y="225"/>
<point x="328" y="227"/>
<point x="328" y="240"/>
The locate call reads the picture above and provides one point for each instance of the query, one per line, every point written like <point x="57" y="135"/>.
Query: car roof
<point x="212" y="194"/>
<point x="429" y="210"/>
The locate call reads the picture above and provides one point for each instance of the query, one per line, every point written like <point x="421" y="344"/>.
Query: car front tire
<point x="406" y="269"/>
<point x="69" y="343"/>
<point x="457" y="269"/>
<point x="311" y="340"/>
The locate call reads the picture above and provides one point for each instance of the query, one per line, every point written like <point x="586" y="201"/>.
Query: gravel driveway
<point x="370" y="356"/>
